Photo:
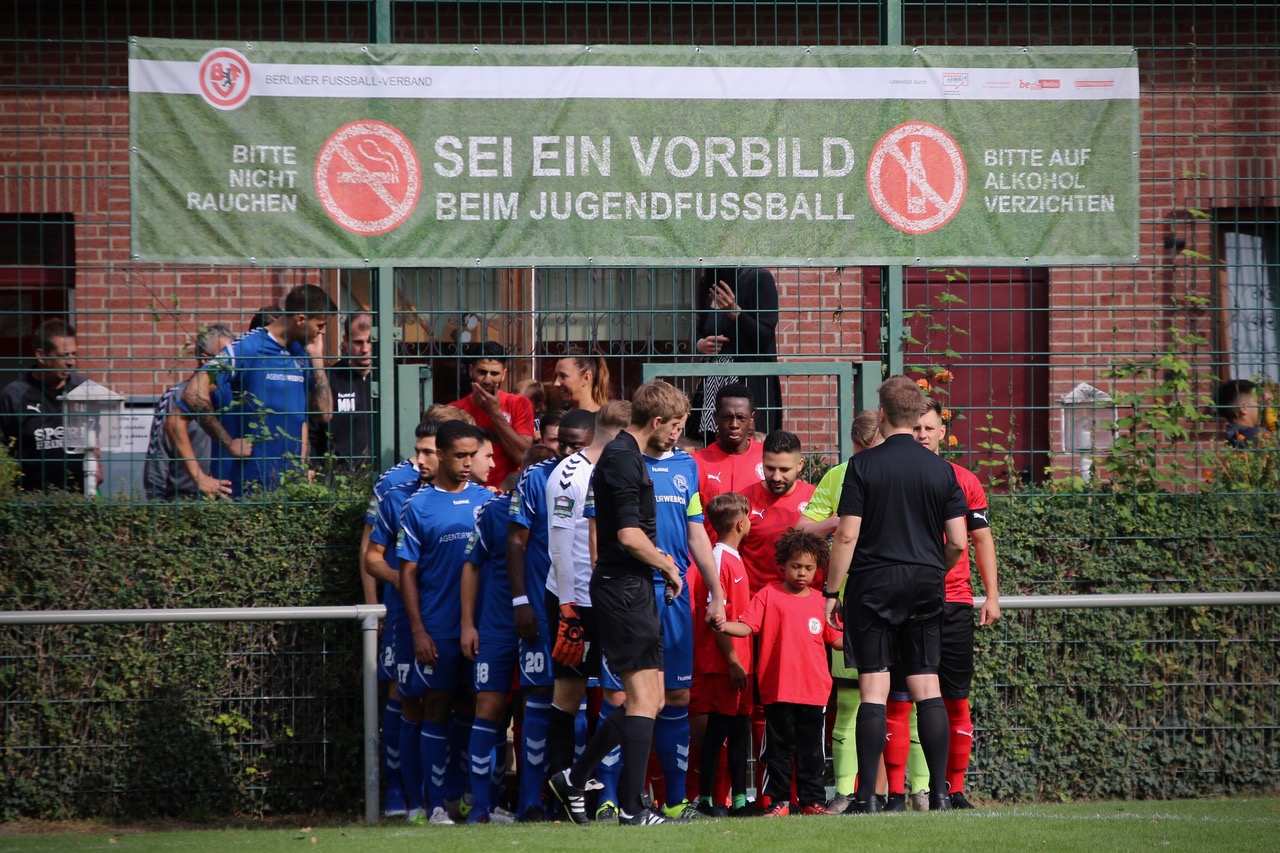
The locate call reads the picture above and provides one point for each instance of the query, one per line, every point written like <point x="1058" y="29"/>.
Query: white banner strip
<point x="651" y="82"/>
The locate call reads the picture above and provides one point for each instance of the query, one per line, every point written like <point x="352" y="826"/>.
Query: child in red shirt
<point x="722" y="665"/>
<point x="792" y="673"/>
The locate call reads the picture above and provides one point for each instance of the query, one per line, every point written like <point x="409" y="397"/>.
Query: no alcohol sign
<point x="916" y="177"/>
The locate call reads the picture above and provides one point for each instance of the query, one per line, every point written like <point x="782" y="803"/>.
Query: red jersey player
<point x="722" y="665"/>
<point x="776" y="504"/>
<point x="507" y="418"/>
<point x="791" y="671"/>
<point x="734" y="460"/>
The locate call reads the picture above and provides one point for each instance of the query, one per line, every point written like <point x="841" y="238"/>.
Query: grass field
<point x="1240" y="824"/>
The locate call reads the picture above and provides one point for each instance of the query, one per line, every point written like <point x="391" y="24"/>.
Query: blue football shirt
<point x="675" y="490"/>
<point x="435" y="527"/>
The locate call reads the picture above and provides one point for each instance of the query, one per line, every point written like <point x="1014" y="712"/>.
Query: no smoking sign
<point x="916" y="177"/>
<point x="368" y="177"/>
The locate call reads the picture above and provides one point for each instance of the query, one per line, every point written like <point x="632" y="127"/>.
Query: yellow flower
<point x="952" y="441"/>
<point x="946" y="416"/>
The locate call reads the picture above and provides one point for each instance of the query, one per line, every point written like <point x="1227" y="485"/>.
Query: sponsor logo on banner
<point x="955" y="79"/>
<point x="224" y="79"/>
<point x="1038" y="85"/>
<point x="368" y="177"/>
<point x="916" y="177"/>
<point x="1108" y="83"/>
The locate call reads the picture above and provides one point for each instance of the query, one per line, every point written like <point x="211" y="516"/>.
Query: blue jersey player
<point x="681" y="534"/>
<point x="267" y="381"/>
<point x="489" y="639"/>
<point x="435" y="526"/>
<point x="401" y="719"/>
<point x="528" y="562"/>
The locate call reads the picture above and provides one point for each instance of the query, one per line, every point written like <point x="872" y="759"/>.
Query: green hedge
<point x="184" y="720"/>
<point x="1131" y="703"/>
<point x="204" y="720"/>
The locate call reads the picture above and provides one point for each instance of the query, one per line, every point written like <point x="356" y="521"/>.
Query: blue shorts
<point x="450" y="671"/>
<point x="677" y="638"/>
<point x="677" y="643"/>
<point x="387" y="656"/>
<point x="495" y="664"/>
<point x="535" y="659"/>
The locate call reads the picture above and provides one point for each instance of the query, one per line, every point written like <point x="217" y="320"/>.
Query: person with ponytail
<point x="583" y="381"/>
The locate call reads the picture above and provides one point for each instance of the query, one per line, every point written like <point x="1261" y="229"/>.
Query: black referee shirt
<point x="623" y="494"/>
<point x="905" y="494"/>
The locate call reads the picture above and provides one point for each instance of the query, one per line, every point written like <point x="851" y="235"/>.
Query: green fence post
<point x="891" y="285"/>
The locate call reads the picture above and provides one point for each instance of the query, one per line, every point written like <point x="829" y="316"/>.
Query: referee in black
<point x="624" y="604"/>
<point x="902" y="526"/>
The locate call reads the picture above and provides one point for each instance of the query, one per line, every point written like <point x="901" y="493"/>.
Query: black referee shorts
<point x="894" y="615"/>
<point x="955" y="670"/>
<point x="590" y="666"/>
<point x="626" y="613"/>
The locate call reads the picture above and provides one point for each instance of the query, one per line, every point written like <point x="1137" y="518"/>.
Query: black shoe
<point x="647" y="816"/>
<point x="573" y="798"/>
<point x="960" y="801"/>
<point x="939" y="802"/>
<point x="895" y="803"/>
<point x="708" y="810"/>
<point x="746" y="810"/>
<point x="534" y="814"/>
<point x="871" y="805"/>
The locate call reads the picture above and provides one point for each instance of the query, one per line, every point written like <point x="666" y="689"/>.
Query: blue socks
<point x="610" y="768"/>
<point x="391" y="746"/>
<point x="434" y="743"/>
<point x="484" y="739"/>
<point x="411" y="764"/>
<point x="671" y="743"/>
<point x="533" y="773"/>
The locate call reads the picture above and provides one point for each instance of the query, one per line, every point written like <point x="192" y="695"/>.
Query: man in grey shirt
<point x="179" y="451"/>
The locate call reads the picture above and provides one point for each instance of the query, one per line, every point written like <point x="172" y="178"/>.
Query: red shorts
<point x="713" y="694"/>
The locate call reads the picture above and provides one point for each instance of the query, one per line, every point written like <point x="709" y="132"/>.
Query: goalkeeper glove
<point x="570" y="648"/>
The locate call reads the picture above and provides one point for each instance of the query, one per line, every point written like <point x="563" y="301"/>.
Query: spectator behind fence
<point x="349" y="434"/>
<point x="737" y="318"/>
<point x="179" y="454"/>
<point x="582" y="382"/>
<point x="1237" y="404"/>
<point x="265" y="382"/>
<point x="508" y="418"/>
<point x="31" y="412"/>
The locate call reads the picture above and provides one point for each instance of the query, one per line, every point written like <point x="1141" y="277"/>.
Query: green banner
<point x="323" y="154"/>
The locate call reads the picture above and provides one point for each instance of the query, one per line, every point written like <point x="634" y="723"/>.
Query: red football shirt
<point x="770" y="515"/>
<point x="794" y="634"/>
<point x="959" y="585"/>
<point x="720" y="472"/>
<point x="519" y="413"/>
<point x="707" y="657"/>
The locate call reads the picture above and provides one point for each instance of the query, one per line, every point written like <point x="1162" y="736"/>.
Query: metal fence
<point x="1181" y="692"/>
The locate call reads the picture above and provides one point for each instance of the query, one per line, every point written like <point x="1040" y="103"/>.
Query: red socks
<point x="897" y="744"/>
<point x="961" y="725"/>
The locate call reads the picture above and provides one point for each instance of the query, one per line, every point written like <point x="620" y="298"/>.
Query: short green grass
<point x="1237" y="824"/>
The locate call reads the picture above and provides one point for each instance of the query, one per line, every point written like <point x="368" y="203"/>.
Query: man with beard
<point x="507" y="418"/>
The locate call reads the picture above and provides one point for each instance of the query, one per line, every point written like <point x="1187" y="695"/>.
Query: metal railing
<point x="367" y="614"/>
